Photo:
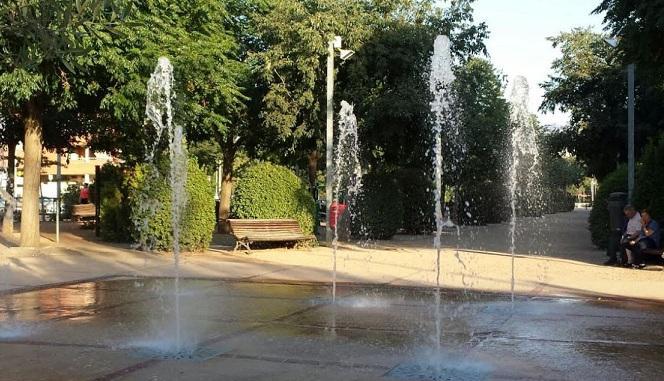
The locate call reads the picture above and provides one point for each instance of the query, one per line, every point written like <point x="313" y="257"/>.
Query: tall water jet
<point x="524" y="169"/>
<point x="347" y="176"/>
<point x="442" y="107"/>
<point x="159" y="110"/>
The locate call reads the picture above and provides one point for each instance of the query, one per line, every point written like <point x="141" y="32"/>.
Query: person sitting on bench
<point x="648" y="238"/>
<point x="631" y="231"/>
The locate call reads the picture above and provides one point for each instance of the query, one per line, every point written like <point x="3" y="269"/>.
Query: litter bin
<point x="616" y="204"/>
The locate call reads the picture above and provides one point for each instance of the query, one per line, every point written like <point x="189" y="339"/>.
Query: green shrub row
<point x="616" y="181"/>
<point x="379" y="207"/>
<point x="648" y="191"/>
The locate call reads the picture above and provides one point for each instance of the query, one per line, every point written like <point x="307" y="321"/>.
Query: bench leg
<point x="240" y="243"/>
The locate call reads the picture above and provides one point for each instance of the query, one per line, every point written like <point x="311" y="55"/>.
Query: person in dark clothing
<point x="648" y="238"/>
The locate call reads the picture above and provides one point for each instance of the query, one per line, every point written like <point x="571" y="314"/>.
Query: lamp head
<point x="345" y="54"/>
<point x="337" y="42"/>
<point x="612" y="41"/>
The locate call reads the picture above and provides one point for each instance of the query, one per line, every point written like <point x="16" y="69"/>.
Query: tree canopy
<point x="590" y="83"/>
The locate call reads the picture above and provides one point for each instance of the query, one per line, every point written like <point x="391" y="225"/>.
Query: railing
<point x="47" y="208"/>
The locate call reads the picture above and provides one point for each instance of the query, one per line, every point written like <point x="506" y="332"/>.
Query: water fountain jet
<point x="347" y="175"/>
<point x="523" y="162"/>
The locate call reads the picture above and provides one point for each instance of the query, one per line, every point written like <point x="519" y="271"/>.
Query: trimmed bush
<point x="70" y="198"/>
<point x="267" y="190"/>
<point x="482" y="203"/>
<point x="616" y="181"/>
<point x="649" y="192"/>
<point x="150" y="203"/>
<point x="115" y="214"/>
<point x="416" y="189"/>
<point x="558" y="201"/>
<point x="379" y="208"/>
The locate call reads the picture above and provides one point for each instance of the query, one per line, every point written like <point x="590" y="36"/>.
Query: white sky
<point x="517" y="44"/>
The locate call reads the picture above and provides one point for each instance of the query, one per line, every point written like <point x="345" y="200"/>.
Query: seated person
<point x="631" y="231"/>
<point x="648" y="238"/>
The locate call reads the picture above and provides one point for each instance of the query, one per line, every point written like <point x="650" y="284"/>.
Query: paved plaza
<point x="122" y="329"/>
<point x="554" y="258"/>
<point x="87" y="310"/>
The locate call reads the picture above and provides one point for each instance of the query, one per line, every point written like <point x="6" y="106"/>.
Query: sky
<point x="518" y="42"/>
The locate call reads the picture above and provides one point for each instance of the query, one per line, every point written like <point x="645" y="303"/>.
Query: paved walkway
<point x="554" y="257"/>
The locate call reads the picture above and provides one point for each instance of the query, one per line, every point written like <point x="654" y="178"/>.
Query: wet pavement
<point x="123" y="329"/>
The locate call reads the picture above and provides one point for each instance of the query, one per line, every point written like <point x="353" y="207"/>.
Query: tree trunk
<point x="312" y="170"/>
<point x="32" y="150"/>
<point x="226" y="190"/>
<point x="8" y="220"/>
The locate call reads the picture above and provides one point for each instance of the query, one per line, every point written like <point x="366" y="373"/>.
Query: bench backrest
<point x="83" y="210"/>
<point x="272" y="228"/>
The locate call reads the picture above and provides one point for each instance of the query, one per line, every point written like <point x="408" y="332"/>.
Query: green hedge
<point x="70" y="197"/>
<point x="649" y="191"/>
<point x="616" y="181"/>
<point x="416" y="188"/>
<point x="379" y="208"/>
<point x="482" y="203"/>
<point x="558" y="201"/>
<point x="115" y="214"/>
<point x="150" y="204"/>
<point x="266" y="190"/>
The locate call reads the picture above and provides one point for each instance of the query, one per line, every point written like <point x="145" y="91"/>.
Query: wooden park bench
<point x="247" y="231"/>
<point x="84" y="214"/>
<point x="653" y="252"/>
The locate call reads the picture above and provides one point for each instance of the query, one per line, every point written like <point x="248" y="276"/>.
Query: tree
<point x="295" y="35"/>
<point x="10" y="134"/>
<point x="44" y="66"/>
<point x="589" y="82"/>
<point x="638" y="24"/>
<point x="387" y="79"/>
<point x="485" y="126"/>
<point x="208" y="43"/>
<point x="192" y="34"/>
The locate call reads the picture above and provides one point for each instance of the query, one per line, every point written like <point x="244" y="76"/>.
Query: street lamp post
<point x="332" y="46"/>
<point x="631" y="161"/>
<point x="630" y="133"/>
<point x="57" y="197"/>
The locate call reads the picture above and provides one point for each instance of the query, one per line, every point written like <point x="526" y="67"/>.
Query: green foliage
<point x="379" y="207"/>
<point x="561" y="175"/>
<point x="616" y="181"/>
<point x="485" y="125"/>
<point x="589" y="82"/>
<point x="115" y="213"/>
<point x="639" y="25"/>
<point x="46" y="62"/>
<point x="266" y="190"/>
<point x="385" y="79"/>
<point x="416" y="190"/>
<point x="197" y="38"/>
<point x="70" y="197"/>
<point x="649" y="192"/>
<point x="150" y="203"/>
<point x="388" y="77"/>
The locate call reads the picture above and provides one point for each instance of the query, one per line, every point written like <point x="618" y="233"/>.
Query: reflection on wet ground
<point x="123" y="329"/>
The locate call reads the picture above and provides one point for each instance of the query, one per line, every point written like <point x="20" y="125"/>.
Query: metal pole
<point x="329" y="137"/>
<point x="630" y="132"/>
<point x="57" y="200"/>
<point x="98" y="198"/>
